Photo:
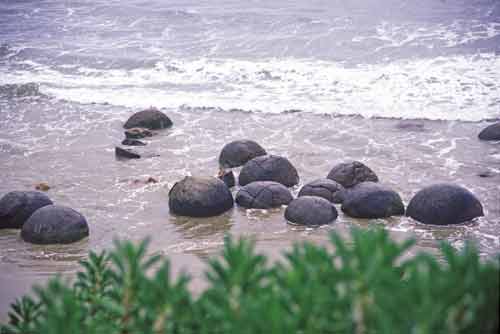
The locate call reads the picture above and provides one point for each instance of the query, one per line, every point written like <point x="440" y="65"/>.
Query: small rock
<point x="486" y="173"/>
<point x="372" y="200"/>
<point x="133" y="142"/>
<point x="137" y="133"/>
<point x="310" y="211"/>
<point x="126" y="153"/>
<point x="42" y="186"/>
<point x="54" y="224"/>
<point x="151" y="119"/>
<point x="326" y="188"/>
<point x="263" y="195"/>
<point x="491" y="132"/>
<point x="151" y="180"/>
<point x="349" y="174"/>
<point x="200" y="197"/>
<point x="444" y="204"/>
<point x="269" y="168"/>
<point x="411" y="125"/>
<point x="17" y="206"/>
<point x="239" y="152"/>
<point x="227" y="177"/>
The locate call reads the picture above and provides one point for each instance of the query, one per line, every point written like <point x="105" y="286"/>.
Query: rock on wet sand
<point x="200" y="197"/>
<point x="444" y="204"/>
<point x="151" y="119"/>
<point x="348" y="174"/>
<point x="17" y="206"/>
<point x="310" y="211"/>
<point x="326" y="188"/>
<point x="263" y="195"/>
<point x="54" y="224"/>
<point x="239" y="152"/>
<point x="269" y="168"/>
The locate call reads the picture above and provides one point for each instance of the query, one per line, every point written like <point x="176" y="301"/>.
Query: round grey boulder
<point x="372" y="200"/>
<point x="491" y="132"/>
<point x="239" y="152"/>
<point x="348" y="174"/>
<point x="54" y="224"/>
<point x="326" y="188"/>
<point x="263" y="195"/>
<point x="151" y="119"/>
<point x="17" y="206"/>
<point x="269" y="168"/>
<point x="200" y="197"/>
<point x="444" y="204"/>
<point x="310" y="211"/>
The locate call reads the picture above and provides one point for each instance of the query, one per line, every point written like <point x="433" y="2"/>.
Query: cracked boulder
<point x="372" y="200"/>
<point x="444" y="204"/>
<point x="200" y="197"/>
<point x="263" y="195"/>
<point x="17" y="206"/>
<point x="239" y="152"/>
<point x="55" y="224"/>
<point x="348" y="174"/>
<point x="151" y="119"/>
<point x="269" y="168"/>
<point x="310" y="211"/>
<point x="326" y="188"/>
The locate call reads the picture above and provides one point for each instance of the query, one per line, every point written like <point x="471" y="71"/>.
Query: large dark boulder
<point x="444" y="204"/>
<point x="200" y="197"/>
<point x="54" y="224"/>
<point x="239" y="152"/>
<point x="17" y="206"/>
<point x="348" y="174"/>
<point x="372" y="200"/>
<point x="326" y="188"/>
<point x="491" y="132"/>
<point x="269" y="168"/>
<point x="151" y="118"/>
<point x="310" y="211"/>
<point x="263" y="195"/>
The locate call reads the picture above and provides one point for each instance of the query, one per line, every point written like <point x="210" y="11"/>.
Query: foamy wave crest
<point x="452" y="88"/>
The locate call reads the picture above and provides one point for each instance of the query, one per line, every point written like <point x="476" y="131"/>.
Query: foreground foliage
<point x="360" y="286"/>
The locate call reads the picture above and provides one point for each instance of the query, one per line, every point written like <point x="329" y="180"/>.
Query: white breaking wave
<point x="451" y="88"/>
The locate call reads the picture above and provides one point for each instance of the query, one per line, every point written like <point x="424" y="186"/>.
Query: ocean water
<point x="402" y="85"/>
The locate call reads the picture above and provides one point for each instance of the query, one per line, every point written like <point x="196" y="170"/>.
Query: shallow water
<point x="405" y="88"/>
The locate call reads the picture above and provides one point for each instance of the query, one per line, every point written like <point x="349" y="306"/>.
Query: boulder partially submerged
<point x="263" y="195"/>
<point x="17" y="206"/>
<point x="54" y="224"/>
<point x="491" y="132"/>
<point x="310" y="211"/>
<point x="326" y="188"/>
<point x="200" y="197"/>
<point x="348" y="174"/>
<point x="372" y="200"/>
<point x="444" y="204"/>
<point x="269" y="168"/>
<point x="151" y="119"/>
<point x="239" y="152"/>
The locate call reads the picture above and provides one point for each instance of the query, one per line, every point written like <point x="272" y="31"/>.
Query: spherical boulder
<point x="55" y="224"/>
<point x="348" y="174"/>
<point x="126" y="153"/>
<point x="17" y="206"/>
<point x="200" y="197"/>
<point x="269" y="168"/>
<point x="239" y="152"/>
<point x="491" y="132"/>
<point x="151" y="119"/>
<point x="444" y="204"/>
<point x="326" y="188"/>
<point x="263" y="195"/>
<point x="310" y="211"/>
<point x="372" y="200"/>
